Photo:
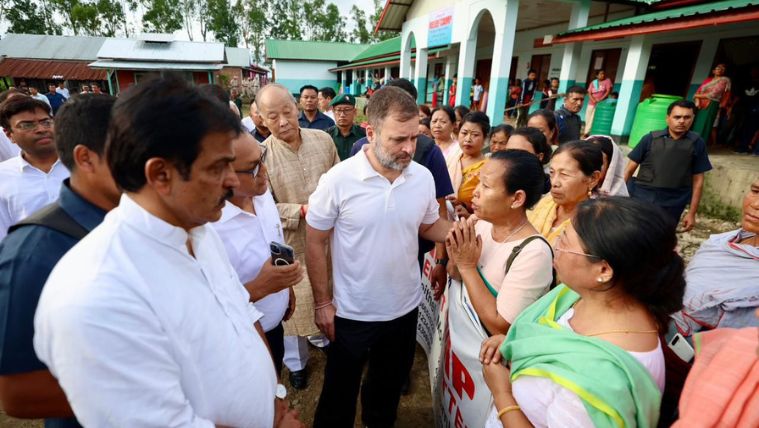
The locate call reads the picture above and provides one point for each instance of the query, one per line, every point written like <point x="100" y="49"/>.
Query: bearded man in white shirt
<point x="249" y="222"/>
<point x="370" y="209"/>
<point x="32" y="179"/>
<point x="144" y="322"/>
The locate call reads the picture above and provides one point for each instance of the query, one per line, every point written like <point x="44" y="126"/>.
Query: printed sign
<point x="451" y="337"/>
<point x="440" y="30"/>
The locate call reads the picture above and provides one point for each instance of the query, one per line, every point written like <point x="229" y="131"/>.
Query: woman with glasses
<point x="575" y="172"/>
<point x="589" y="352"/>
<point x="499" y="263"/>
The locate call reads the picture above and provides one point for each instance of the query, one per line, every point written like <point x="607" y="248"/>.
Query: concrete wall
<point x="294" y="74"/>
<point x="727" y="184"/>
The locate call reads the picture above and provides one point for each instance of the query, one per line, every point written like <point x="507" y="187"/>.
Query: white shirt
<point x="41" y="97"/>
<point x="25" y="189"/>
<point x="547" y="404"/>
<point x="248" y="123"/>
<point x="63" y="91"/>
<point x="330" y="114"/>
<point x="374" y="243"/>
<point x="246" y="237"/>
<point x="8" y="148"/>
<point x="139" y="333"/>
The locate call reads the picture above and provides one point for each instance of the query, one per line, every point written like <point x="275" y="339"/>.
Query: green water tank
<point x="603" y="116"/>
<point x="650" y="116"/>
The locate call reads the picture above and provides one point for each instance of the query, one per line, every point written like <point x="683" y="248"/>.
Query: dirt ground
<point x="415" y="408"/>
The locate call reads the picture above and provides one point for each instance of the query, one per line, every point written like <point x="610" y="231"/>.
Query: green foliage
<point x="285" y="20"/>
<point x="223" y="21"/>
<point x="111" y="17"/>
<point x="24" y="17"/>
<point x="360" y="33"/>
<point x="162" y="16"/>
<point x="254" y="26"/>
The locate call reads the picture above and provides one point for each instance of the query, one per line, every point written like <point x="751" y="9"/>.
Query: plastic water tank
<point x="603" y="117"/>
<point x="650" y="116"/>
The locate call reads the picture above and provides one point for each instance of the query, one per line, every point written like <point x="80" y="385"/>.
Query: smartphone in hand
<point x="281" y="254"/>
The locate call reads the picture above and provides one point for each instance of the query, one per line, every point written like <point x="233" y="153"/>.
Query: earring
<point x="599" y="279"/>
<point x="590" y="192"/>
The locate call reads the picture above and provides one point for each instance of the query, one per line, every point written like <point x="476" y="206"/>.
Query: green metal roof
<point x="387" y="47"/>
<point x="375" y="60"/>
<point x="314" y="51"/>
<point x="682" y="12"/>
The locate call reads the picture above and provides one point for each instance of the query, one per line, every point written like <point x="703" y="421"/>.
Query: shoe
<point x="299" y="379"/>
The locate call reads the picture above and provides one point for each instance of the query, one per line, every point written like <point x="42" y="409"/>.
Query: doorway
<point x="542" y="66"/>
<point x="671" y="66"/>
<point x="606" y="60"/>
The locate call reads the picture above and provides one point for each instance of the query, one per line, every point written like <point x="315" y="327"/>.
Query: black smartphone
<point x="281" y="254"/>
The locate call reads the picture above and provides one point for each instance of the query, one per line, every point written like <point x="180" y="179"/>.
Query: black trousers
<point x="276" y="339"/>
<point x="389" y="347"/>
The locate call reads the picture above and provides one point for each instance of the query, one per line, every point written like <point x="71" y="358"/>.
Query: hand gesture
<point x="438" y="280"/>
<point x="490" y="350"/>
<point x="325" y="320"/>
<point x="463" y="244"/>
<point x="689" y="221"/>
<point x="277" y="278"/>
<point x="284" y="416"/>
<point x="498" y="378"/>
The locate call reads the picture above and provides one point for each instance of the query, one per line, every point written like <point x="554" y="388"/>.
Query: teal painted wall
<point x="466" y="87"/>
<point x="627" y="111"/>
<point x="421" y="90"/>
<point x="501" y="95"/>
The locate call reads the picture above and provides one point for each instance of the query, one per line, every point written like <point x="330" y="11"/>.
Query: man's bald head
<point x="279" y="112"/>
<point x="273" y="91"/>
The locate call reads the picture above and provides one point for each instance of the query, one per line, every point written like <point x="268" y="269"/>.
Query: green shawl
<point x="615" y="387"/>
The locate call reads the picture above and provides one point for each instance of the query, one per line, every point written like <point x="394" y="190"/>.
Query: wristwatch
<point x="280" y="392"/>
<point x="441" y="262"/>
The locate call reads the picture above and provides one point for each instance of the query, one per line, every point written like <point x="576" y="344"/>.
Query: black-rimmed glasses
<point x="254" y="171"/>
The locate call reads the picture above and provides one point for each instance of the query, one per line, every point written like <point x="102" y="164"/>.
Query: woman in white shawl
<point x="612" y="175"/>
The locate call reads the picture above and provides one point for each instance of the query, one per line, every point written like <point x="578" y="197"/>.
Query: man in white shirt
<point x="249" y="222"/>
<point x="144" y="322"/>
<point x="61" y="89"/>
<point x="32" y="179"/>
<point x="324" y="98"/>
<point x="370" y="209"/>
<point x="7" y="148"/>
<point x="34" y="93"/>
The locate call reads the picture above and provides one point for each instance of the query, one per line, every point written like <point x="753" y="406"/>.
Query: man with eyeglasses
<point x="249" y="222"/>
<point x="345" y="133"/>
<point x="32" y="179"/>
<point x="568" y="116"/>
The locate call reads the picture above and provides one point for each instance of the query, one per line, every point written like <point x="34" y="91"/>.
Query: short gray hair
<point x="389" y="100"/>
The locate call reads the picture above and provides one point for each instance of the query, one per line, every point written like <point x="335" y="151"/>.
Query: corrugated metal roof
<point x="383" y="59"/>
<point x="33" y="46"/>
<point x="155" y="65"/>
<point x="237" y="57"/>
<point x="56" y="69"/>
<point x="387" y="47"/>
<point x="683" y="12"/>
<point x="393" y="15"/>
<point x="179" y="51"/>
<point x="314" y="51"/>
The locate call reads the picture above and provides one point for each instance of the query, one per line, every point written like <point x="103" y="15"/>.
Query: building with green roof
<point x="295" y="63"/>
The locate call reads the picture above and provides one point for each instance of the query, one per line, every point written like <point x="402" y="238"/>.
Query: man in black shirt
<point x="568" y="118"/>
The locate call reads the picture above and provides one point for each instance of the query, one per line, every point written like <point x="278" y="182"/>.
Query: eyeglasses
<point x="31" y="125"/>
<point x="560" y="243"/>
<point x="343" y="110"/>
<point x="254" y="171"/>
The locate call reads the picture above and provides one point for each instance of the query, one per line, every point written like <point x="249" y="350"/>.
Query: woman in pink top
<point x="598" y="90"/>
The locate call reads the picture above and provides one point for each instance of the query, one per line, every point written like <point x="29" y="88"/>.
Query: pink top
<point x="599" y="89"/>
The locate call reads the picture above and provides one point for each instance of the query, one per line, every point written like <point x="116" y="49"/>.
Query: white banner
<point x="451" y="337"/>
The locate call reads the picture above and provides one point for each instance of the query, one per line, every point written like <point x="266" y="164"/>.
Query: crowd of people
<point x="165" y="259"/>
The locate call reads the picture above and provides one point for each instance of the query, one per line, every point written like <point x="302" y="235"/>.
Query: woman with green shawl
<point x="589" y="352"/>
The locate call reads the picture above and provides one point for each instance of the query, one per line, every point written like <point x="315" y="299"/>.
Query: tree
<point x="24" y="18"/>
<point x="360" y="33"/>
<point x="379" y="36"/>
<point x="255" y="26"/>
<point x="331" y="26"/>
<point x="71" y="13"/>
<point x="162" y="16"/>
<point x="111" y="16"/>
<point x="223" y="21"/>
<point x="285" y="17"/>
<point x="84" y="17"/>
